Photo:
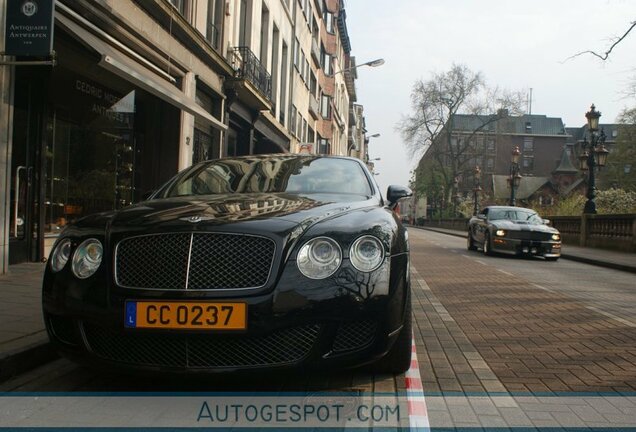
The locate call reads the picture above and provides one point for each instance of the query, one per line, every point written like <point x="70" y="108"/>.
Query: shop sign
<point x="29" y="28"/>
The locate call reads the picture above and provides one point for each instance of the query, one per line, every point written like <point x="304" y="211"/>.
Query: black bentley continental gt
<point x="261" y="261"/>
<point x="513" y="231"/>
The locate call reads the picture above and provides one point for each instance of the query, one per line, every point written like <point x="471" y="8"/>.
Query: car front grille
<point x="194" y="261"/>
<point x="201" y="351"/>
<point x="354" y="335"/>
<point x="529" y="235"/>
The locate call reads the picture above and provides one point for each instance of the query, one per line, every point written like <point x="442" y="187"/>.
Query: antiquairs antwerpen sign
<point x="29" y="28"/>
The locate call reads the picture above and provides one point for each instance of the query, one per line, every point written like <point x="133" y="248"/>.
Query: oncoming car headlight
<point x="366" y="253"/>
<point x="319" y="258"/>
<point x="500" y="233"/>
<point x="60" y="255"/>
<point x="87" y="258"/>
<point x="556" y="237"/>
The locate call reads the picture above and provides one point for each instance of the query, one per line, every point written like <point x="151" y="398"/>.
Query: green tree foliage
<point x="609" y="201"/>
<point x="621" y="163"/>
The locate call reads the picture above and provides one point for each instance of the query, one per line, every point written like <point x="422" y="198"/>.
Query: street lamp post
<point x="367" y="138"/>
<point x="372" y="63"/>
<point x="594" y="154"/>
<point x="456" y="196"/>
<point x="476" y="190"/>
<point x="515" y="178"/>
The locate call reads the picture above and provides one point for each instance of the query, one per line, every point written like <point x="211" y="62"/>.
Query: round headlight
<point x="87" y="258"/>
<point x="366" y="254"/>
<point x="556" y="237"/>
<point x="60" y="255"/>
<point x="319" y="258"/>
<point x="500" y="233"/>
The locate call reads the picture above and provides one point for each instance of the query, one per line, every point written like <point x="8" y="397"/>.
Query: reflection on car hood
<point x="231" y="208"/>
<point x="521" y="226"/>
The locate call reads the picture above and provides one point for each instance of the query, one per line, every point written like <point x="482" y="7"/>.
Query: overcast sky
<point x="515" y="44"/>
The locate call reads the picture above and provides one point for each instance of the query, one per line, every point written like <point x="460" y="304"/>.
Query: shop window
<point x="107" y="143"/>
<point x="202" y="146"/>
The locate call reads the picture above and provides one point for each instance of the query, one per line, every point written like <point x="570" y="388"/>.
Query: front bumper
<point x="339" y="322"/>
<point x="547" y="249"/>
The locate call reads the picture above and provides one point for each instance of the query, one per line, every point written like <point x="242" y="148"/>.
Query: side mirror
<point x="481" y="216"/>
<point x="395" y="193"/>
<point x="546" y="222"/>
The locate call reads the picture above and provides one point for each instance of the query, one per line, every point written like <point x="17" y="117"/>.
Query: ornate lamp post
<point x="594" y="154"/>
<point x="456" y="196"/>
<point x="515" y="178"/>
<point x="476" y="190"/>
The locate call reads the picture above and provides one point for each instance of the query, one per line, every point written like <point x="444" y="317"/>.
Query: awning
<point x="120" y="64"/>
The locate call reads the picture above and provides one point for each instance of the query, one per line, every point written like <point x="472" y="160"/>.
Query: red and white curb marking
<point x="418" y="415"/>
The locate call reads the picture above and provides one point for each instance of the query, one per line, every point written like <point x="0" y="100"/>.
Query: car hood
<point x="222" y="209"/>
<point x="522" y="226"/>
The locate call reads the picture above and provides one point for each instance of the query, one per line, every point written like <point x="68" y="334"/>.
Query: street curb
<point x="599" y="263"/>
<point x="24" y="359"/>
<point x="606" y="264"/>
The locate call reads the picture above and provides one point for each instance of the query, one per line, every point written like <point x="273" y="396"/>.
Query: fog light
<point x="525" y="250"/>
<point x="533" y="250"/>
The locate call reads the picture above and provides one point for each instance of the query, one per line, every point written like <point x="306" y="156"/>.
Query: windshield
<point x="516" y="215"/>
<point x="291" y="174"/>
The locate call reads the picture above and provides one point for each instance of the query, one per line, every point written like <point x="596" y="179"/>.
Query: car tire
<point x="487" y="247"/>
<point x="398" y="359"/>
<point x="552" y="258"/>
<point x="471" y="243"/>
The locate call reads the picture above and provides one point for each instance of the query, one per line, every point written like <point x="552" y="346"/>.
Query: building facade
<point x="488" y="142"/>
<point x="143" y="89"/>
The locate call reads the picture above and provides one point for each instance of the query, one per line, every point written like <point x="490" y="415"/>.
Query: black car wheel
<point x="487" y="248"/>
<point x="398" y="359"/>
<point x="471" y="243"/>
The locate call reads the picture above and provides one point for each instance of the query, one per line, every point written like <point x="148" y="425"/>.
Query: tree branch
<point x="607" y="53"/>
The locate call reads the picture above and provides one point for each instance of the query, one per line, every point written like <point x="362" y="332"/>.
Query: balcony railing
<point x="247" y="66"/>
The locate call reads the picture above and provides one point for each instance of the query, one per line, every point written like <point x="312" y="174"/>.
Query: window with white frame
<point x="325" y="106"/>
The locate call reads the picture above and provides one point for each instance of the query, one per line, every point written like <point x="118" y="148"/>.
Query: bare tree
<point x="436" y="102"/>
<point x="615" y="41"/>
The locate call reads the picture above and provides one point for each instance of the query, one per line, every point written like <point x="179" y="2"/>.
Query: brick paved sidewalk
<point x="531" y="339"/>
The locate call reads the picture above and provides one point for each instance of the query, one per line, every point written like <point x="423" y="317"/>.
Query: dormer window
<point x="528" y="127"/>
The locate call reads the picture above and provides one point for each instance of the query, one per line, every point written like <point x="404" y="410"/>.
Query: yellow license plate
<point x="186" y="315"/>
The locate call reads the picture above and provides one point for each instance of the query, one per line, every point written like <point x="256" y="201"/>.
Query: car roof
<point x="510" y="208"/>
